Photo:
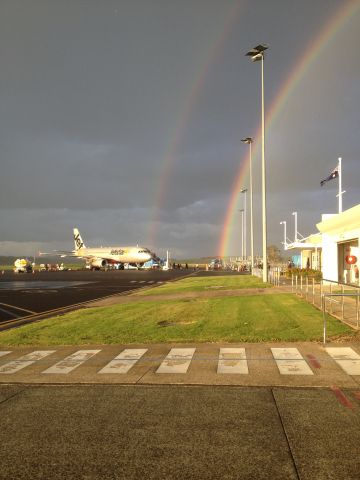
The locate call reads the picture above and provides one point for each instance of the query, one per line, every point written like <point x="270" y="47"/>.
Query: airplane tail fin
<point x="78" y="240"/>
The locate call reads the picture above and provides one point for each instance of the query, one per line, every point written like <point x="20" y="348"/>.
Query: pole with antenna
<point x="341" y="191"/>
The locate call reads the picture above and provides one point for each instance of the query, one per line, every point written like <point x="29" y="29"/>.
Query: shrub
<point x="304" y="272"/>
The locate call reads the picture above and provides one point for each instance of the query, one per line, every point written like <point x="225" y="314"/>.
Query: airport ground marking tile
<point x="71" y="362"/>
<point x="24" y="361"/>
<point x="346" y="358"/>
<point x="3" y="353"/>
<point x="290" y="362"/>
<point x="124" y="361"/>
<point x="177" y="361"/>
<point x="232" y="360"/>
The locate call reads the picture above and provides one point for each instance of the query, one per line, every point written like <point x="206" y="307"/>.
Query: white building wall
<point x="329" y="258"/>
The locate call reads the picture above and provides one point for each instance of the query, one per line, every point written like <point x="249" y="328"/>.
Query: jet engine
<point x="98" y="263"/>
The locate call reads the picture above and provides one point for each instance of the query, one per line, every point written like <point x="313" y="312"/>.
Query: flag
<point x="333" y="174"/>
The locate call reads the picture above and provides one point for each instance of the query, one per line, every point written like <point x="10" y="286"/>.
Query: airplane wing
<point x="57" y="253"/>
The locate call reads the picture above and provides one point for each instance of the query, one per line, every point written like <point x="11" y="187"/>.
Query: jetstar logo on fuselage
<point x="116" y="251"/>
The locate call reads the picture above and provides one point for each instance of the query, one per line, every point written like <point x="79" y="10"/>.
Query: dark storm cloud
<point x="93" y="99"/>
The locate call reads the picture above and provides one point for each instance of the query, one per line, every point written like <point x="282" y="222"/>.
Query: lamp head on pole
<point x="244" y="190"/>
<point x="257" y="53"/>
<point x="247" y="140"/>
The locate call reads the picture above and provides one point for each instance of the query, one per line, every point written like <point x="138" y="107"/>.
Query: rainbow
<point x="183" y="118"/>
<point x="332" y="27"/>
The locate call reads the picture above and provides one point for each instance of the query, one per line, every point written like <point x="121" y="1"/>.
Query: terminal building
<point x="334" y="249"/>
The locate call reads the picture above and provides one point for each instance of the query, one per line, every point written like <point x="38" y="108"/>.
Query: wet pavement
<point x="22" y="295"/>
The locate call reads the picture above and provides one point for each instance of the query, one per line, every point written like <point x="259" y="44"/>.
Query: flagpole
<point x="340" y="187"/>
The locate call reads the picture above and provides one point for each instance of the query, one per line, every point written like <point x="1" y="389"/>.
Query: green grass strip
<point x="223" y="319"/>
<point x="200" y="284"/>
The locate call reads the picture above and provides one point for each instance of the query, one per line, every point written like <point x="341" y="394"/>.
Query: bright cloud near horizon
<point x="125" y="118"/>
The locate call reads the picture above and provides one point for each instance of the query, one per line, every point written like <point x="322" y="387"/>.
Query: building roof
<point x="342" y="222"/>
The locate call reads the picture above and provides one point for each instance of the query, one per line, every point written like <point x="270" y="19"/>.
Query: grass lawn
<point x="221" y="319"/>
<point x="199" y="284"/>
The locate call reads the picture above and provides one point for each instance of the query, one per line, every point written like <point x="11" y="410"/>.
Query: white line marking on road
<point x="123" y="362"/>
<point x="133" y="281"/>
<point x="142" y="281"/>
<point x="22" y="362"/>
<point x="347" y="358"/>
<point x="290" y="362"/>
<point x="7" y="312"/>
<point x="232" y="360"/>
<point x="177" y="361"/>
<point x="151" y="281"/>
<point x="2" y="354"/>
<point x="17" y="308"/>
<point x="160" y="282"/>
<point x="72" y="361"/>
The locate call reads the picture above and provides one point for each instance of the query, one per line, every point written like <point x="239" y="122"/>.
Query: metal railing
<point x="342" y="295"/>
<point x="274" y="274"/>
<point x="343" y="298"/>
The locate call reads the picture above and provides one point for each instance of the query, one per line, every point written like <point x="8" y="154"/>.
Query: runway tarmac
<point x="22" y="295"/>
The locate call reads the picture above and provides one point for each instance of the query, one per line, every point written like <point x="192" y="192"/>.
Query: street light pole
<point x="296" y="230"/>
<point x="284" y="223"/>
<point x="244" y="190"/>
<point x="257" y="54"/>
<point x="249" y="141"/>
<point x="242" y="233"/>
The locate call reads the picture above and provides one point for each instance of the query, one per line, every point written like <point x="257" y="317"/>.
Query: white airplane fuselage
<point x="138" y="255"/>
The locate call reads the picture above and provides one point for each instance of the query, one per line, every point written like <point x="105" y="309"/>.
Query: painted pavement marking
<point x="72" y="361"/>
<point x="346" y="358"/>
<point x="133" y="281"/>
<point x="22" y="362"/>
<point x="18" y="308"/>
<point x="2" y="354"/>
<point x="290" y="362"/>
<point x="123" y="362"/>
<point x="340" y="396"/>
<point x="232" y="360"/>
<point x="314" y="362"/>
<point x="177" y="361"/>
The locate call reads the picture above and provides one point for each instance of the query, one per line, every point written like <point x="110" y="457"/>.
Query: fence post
<point x="296" y="284"/>
<point x="357" y="310"/>
<point x="313" y="290"/>
<point x="342" y="302"/>
<point x="292" y="283"/>
<point x="321" y="285"/>
<point x="330" y="309"/>
<point x="307" y="288"/>
<point x="324" y="319"/>
<point x="301" y="284"/>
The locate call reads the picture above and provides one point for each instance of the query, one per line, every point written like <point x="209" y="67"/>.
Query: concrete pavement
<point x="177" y="432"/>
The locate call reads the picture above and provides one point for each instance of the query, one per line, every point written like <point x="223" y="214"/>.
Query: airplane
<point x="102" y="257"/>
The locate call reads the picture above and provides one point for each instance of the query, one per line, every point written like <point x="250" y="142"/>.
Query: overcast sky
<point x="124" y="118"/>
